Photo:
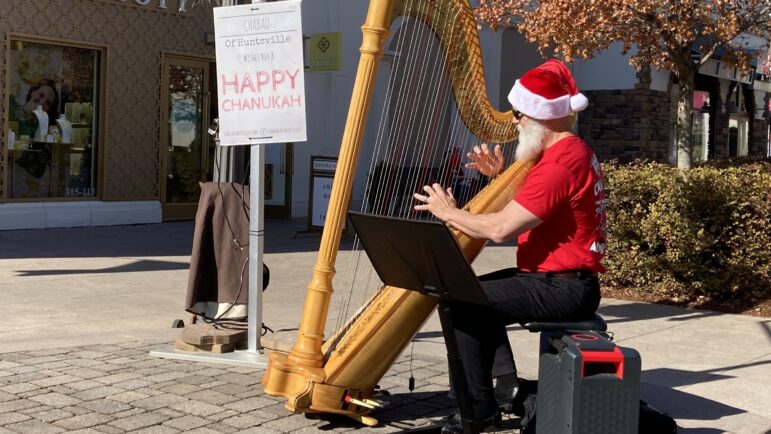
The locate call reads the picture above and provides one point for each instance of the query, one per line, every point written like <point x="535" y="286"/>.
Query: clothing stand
<point x="423" y="256"/>
<point x="253" y="356"/>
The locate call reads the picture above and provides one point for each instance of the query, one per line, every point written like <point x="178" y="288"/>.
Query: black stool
<point x="553" y="329"/>
<point x="586" y="384"/>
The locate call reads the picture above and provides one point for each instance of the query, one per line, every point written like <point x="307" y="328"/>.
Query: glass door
<point x="185" y="145"/>
<point x="278" y="181"/>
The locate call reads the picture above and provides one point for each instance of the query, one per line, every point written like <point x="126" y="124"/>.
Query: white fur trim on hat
<point x="537" y="107"/>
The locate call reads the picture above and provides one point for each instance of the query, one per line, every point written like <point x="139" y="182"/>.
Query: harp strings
<point x="421" y="139"/>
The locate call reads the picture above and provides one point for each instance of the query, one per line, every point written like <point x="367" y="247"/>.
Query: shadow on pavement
<point x="142" y="265"/>
<point x="682" y="405"/>
<point x="163" y="239"/>
<point x="630" y="311"/>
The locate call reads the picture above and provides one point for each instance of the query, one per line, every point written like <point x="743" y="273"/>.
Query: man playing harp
<point x="558" y="218"/>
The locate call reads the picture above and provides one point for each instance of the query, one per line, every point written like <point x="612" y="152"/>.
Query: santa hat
<point x="547" y="92"/>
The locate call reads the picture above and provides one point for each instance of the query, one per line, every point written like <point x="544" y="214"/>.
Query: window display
<point x="52" y="118"/>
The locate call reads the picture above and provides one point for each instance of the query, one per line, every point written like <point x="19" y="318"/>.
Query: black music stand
<point x="423" y="256"/>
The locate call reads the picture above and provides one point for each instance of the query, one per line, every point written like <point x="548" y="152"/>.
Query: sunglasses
<point x="517" y="114"/>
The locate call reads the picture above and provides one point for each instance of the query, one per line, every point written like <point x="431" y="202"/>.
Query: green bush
<point x="704" y="234"/>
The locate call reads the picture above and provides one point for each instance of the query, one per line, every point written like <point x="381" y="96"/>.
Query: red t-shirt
<point x="564" y="190"/>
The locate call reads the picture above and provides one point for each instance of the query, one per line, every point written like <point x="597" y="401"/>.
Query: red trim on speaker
<point x="584" y="337"/>
<point x="616" y="357"/>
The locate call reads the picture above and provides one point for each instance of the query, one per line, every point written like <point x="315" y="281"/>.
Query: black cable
<point x="219" y="320"/>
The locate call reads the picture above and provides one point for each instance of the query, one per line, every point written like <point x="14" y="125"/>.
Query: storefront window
<point x="52" y="120"/>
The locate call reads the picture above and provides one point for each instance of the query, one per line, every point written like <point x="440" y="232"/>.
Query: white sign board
<point x="260" y="73"/>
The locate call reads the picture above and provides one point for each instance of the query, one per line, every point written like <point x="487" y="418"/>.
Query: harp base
<point x="305" y="391"/>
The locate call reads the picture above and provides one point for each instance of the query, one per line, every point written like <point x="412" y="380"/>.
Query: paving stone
<point x="173" y="414"/>
<point x="187" y="422"/>
<point x="55" y="400"/>
<point x="243" y="421"/>
<point x="88" y="354"/>
<point x="51" y="415"/>
<point x="166" y="376"/>
<point x="216" y="417"/>
<point x="5" y="397"/>
<point x="203" y="430"/>
<point x="84" y="373"/>
<point x="260" y="430"/>
<point x="156" y="429"/>
<point x="211" y="372"/>
<point x="64" y="390"/>
<point x="84" y="385"/>
<point x="56" y="366"/>
<point x="243" y="379"/>
<point x="249" y="404"/>
<point x="9" y="418"/>
<point x="139" y="421"/>
<point x="153" y="370"/>
<point x="290" y="423"/>
<point x="117" y="378"/>
<point x="212" y="397"/>
<point x="122" y="360"/>
<point x="222" y="428"/>
<point x="107" y="429"/>
<point x="197" y="408"/>
<point x="181" y="388"/>
<point x="22" y="378"/>
<point x="84" y="363"/>
<point x="48" y="352"/>
<point x="42" y="360"/>
<point x="214" y="383"/>
<point x="233" y="389"/>
<point x="83" y="421"/>
<point x="129" y="412"/>
<point x="84" y="431"/>
<point x="98" y="393"/>
<point x="155" y="402"/>
<point x="77" y="410"/>
<point x="133" y="384"/>
<point x="35" y="409"/>
<point x="31" y="393"/>
<point x="194" y="379"/>
<point x="106" y="406"/>
<point x="4" y="364"/>
<point x="127" y="397"/>
<point x="149" y="391"/>
<point x="34" y="426"/>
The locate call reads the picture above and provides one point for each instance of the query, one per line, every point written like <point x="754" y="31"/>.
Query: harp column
<point x="307" y="348"/>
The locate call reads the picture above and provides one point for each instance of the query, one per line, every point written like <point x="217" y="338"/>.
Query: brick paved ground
<point x="121" y="388"/>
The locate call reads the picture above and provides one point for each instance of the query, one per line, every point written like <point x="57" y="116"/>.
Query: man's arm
<point x="498" y="227"/>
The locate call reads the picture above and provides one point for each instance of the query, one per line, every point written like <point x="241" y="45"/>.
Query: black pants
<point x="514" y="298"/>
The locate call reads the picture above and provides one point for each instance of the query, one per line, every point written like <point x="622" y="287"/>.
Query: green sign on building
<point x="325" y="51"/>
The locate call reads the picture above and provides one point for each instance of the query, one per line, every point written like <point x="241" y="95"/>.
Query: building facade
<point x="89" y="89"/>
<point x="127" y="90"/>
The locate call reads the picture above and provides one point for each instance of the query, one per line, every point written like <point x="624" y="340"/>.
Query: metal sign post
<point x="262" y="100"/>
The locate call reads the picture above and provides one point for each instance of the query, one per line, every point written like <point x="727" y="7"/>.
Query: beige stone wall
<point x="135" y="38"/>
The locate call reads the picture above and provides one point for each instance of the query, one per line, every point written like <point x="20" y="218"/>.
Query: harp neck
<point x="453" y="23"/>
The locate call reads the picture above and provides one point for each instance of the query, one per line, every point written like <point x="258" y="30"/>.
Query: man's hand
<point x="485" y="161"/>
<point x="437" y="201"/>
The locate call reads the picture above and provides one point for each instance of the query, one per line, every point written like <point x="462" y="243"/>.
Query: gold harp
<point x="316" y="376"/>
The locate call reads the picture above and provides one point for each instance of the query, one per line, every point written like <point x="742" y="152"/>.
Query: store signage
<point x="160" y="4"/>
<point x="325" y="51"/>
<point x="260" y="73"/>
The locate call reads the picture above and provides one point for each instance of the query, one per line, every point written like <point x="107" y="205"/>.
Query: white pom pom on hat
<point x="547" y="92"/>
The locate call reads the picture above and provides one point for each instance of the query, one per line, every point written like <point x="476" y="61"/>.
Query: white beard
<point x="531" y="140"/>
